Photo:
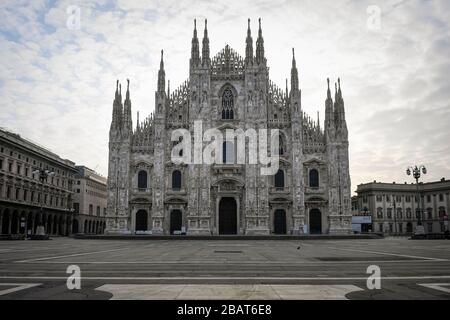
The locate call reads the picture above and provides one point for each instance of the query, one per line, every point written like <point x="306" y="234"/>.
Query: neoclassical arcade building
<point x="150" y="193"/>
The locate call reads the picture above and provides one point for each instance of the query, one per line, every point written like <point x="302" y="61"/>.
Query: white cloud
<point x="57" y="84"/>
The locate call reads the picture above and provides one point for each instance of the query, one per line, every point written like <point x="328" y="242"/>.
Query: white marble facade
<point x="148" y="193"/>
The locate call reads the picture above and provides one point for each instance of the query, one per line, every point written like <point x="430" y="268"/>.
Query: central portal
<point x="227" y="216"/>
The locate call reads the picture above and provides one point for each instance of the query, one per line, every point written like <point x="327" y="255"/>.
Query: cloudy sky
<point x="57" y="73"/>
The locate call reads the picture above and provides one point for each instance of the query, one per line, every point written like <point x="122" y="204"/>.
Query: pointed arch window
<point x="227" y="152"/>
<point x="227" y="104"/>
<point x="176" y="180"/>
<point x="279" y="179"/>
<point x="281" y="144"/>
<point x="314" y="178"/>
<point x="142" y="179"/>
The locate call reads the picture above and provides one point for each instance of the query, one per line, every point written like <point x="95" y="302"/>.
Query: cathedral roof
<point x="227" y="64"/>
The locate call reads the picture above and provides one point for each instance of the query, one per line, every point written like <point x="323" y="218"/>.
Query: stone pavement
<point x="221" y="269"/>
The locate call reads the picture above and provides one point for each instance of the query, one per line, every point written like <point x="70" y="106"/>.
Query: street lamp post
<point x="416" y="172"/>
<point x="43" y="175"/>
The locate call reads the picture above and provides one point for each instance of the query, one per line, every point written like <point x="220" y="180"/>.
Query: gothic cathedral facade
<point x="148" y="193"/>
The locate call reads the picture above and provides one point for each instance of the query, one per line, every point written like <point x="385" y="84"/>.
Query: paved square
<point x="225" y="269"/>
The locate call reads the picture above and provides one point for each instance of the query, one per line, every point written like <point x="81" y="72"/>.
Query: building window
<point x="78" y="190"/>
<point x="228" y="152"/>
<point x="399" y="213"/>
<point x="98" y="211"/>
<point x="379" y="198"/>
<point x="281" y="144"/>
<point x="398" y="199"/>
<point x="8" y="192"/>
<point x="391" y="228"/>
<point x="408" y="198"/>
<point x="429" y="213"/>
<point x="76" y="207"/>
<point x="142" y="179"/>
<point x="25" y="194"/>
<point x="32" y="196"/>
<point x="388" y="198"/>
<point x="314" y="178"/>
<point x="441" y="212"/>
<point x="91" y="209"/>
<point x="389" y="213"/>
<point x="441" y="197"/>
<point x="17" y="193"/>
<point x="400" y="228"/>
<point x="176" y="180"/>
<point x="428" y="198"/>
<point x="19" y="169"/>
<point x="227" y="104"/>
<point x="104" y="211"/>
<point x="279" y="179"/>
<point x="364" y="199"/>
<point x="26" y="172"/>
<point x="10" y="166"/>
<point x="78" y="182"/>
<point x="408" y="213"/>
<point x="380" y="213"/>
<point x="1" y="164"/>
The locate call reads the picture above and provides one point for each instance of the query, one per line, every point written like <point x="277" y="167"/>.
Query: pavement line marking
<point x="226" y="278"/>
<point x="18" y="287"/>
<point x="215" y="262"/>
<point x="436" y="286"/>
<point x="227" y="291"/>
<point x="389" y="254"/>
<point x="69" y="255"/>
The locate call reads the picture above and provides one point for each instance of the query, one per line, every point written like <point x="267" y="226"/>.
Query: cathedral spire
<point x="294" y="74"/>
<point x="339" y="88"/>
<point x="117" y="113"/>
<point x="260" y="46"/>
<point x="287" y="90"/>
<point x="328" y="90"/>
<point x="195" y="54"/>
<point x="168" y="88"/>
<point x="127" y="98"/>
<point x="137" y="121"/>
<point x="127" y="110"/>
<point x="329" y="112"/>
<point x="249" y="45"/>
<point x="161" y="74"/>
<point x="205" y="45"/>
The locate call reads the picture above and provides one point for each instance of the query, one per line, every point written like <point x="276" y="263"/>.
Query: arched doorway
<point x="49" y="224"/>
<point x="227" y="216"/>
<point x="176" y="221"/>
<point x="15" y="223"/>
<point x="29" y="223"/>
<point x="5" y="222"/>
<point x="75" y="226"/>
<point x="409" y="228"/>
<point x="141" y="220"/>
<point x="279" y="222"/>
<point x="315" y="221"/>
